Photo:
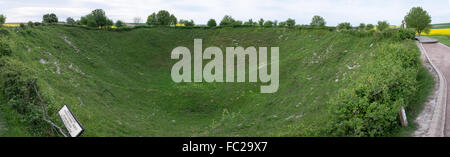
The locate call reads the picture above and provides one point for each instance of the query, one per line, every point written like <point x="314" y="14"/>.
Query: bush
<point x="290" y="22"/>
<point x="50" y="18"/>
<point x="344" y="26"/>
<point x="369" y="27"/>
<point x="382" y="25"/>
<point x="404" y="34"/>
<point x="317" y="21"/>
<point x="227" y="21"/>
<point x="70" y="21"/>
<point x="2" y="20"/>
<point x="120" y="24"/>
<point x="4" y="32"/>
<point x="370" y="105"/>
<point x="5" y="48"/>
<point x="30" y="24"/>
<point x="212" y="23"/>
<point x="20" y="96"/>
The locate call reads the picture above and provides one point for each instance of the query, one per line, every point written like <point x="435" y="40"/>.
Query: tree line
<point x="416" y="18"/>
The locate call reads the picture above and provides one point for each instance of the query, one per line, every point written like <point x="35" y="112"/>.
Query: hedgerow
<point x="371" y="104"/>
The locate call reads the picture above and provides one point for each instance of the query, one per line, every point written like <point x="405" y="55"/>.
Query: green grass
<point x="444" y="39"/>
<point x="10" y="123"/>
<point x="441" y="26"/>
<point x="119" y="83"/>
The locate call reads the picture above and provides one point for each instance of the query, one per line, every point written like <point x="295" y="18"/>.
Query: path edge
<point x="437" y="126"/>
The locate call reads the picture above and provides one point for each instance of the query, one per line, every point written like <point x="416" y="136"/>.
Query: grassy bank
<point x="119" y="83"/>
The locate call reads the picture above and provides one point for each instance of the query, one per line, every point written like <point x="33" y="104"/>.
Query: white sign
<point x="72" y="125"/>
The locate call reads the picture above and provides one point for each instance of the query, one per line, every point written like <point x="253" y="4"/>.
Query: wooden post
<point x="403" y="119"/>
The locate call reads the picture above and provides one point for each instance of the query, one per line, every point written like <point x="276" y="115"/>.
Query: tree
<point x="282" y="24"/>
<point x="97" y="18"/>
<point x="419" y="19"/>
<point x="362" y="26"/>
<point x="344" y="26"/>
<point x="120" y="24"/>
<point x="2" y="20"/>
<point x="70" y="21"/>
<point x="290" y="22"/>
<point x="212" y="23"/>
<point x="100" y="17"/>
<point x="268" y="23"/>
<point x="187" y="23"/>
<point x="109" y="22"/>
<point x="318" y="21"/>
<point x="173" y="20"/>
<point x="136" y="20"/>
<point x="237" y="23"/>
<point x="261" y="22"/>
<point x="227" y="20"/>
<point x="163" y="17"/>
<point x="250" y="22"/>
<point x="30" y="24"/>
<point x="50" y="18"/>
<point x="152" y="20"/>
<point x="369" y="26"/>
<point x="382" y="25"/>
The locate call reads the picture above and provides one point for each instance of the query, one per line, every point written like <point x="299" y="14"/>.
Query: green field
<point x="441" y="26"/>
<point x="119" y="83"/>
<point x="444" y="39"/>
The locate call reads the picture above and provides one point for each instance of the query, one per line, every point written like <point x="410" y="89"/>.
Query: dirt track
<point x="439" y="55"/>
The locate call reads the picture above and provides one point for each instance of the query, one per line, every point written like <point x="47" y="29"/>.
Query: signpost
<point x="70" y="122"/>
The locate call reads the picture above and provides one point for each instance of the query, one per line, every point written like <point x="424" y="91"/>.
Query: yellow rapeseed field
<point x="445" y="31"/>
<point x="11" y="25"/>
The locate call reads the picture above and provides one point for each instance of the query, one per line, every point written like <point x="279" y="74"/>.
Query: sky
<point x="334" y="11"/>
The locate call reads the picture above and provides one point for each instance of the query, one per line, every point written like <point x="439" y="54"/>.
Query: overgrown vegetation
<point x="370" y="105"/>
<point x="20" y="90"/>
<point x="117" y="82"/>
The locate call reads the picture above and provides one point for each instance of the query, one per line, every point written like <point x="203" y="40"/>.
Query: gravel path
<point x="439" y="55"/>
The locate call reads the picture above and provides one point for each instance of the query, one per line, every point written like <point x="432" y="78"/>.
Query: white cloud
<point x="334" y="11"/>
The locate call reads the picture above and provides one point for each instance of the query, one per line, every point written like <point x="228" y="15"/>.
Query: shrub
<point x="344" y="26"/>
<point x="120" y="24"/>
<point x="212" y="23"/>
<point x="21" y="97"/>
<point x="227" y="20"/>
<point x="290" y="22"/>
<point x="268" y="23"/>
<point x="362" y="26"/>
<point x="70" y="21"/>
<point x="370" y="105"/>
<point x="2" y="20"/>
<point x="369" y="26"/>
<point x="5" y="48"/>
<point x="404" y="34"/>
<point x="50" y="18"/>
<point x="187" y="23"/>
<point x="382" y="25"/>
<point x="97" y="18"/>
<point x="318" y="21"/>
<point x="30" y="24"/>
<point x="4" y="32"/>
